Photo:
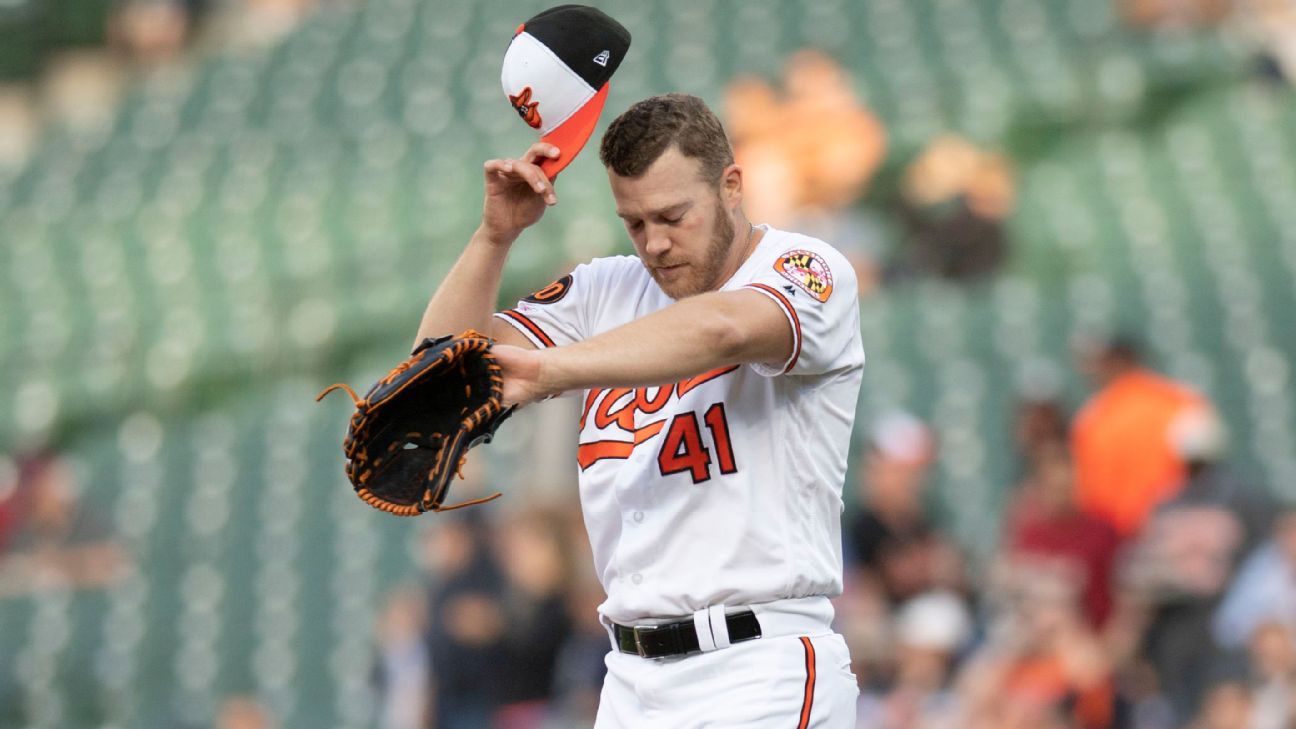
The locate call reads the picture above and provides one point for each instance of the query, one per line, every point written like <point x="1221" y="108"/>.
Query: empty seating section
<point x="255" y="570"/>
<point x="174" y="289"/>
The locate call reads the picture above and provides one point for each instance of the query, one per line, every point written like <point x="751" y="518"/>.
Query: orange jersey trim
<point x="807" y="704"/>
<point x="587" y="454"/>
<point x="782" y="301"/>
<point x="685" y="385"/>
<point x="530" y="326"/>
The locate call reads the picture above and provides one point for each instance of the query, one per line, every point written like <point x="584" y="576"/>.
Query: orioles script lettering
<point x="616" y="408"/>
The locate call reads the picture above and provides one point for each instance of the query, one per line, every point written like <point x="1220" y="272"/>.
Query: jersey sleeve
<point x="815" y="286"/>
<point x="558" y="313"/>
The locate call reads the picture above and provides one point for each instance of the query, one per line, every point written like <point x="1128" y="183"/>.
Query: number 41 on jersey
<point x="683" y="449"/>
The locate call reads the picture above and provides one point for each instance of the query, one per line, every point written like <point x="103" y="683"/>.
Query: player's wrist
<point x="548" y="380"/>
<point x="495" y="237"/>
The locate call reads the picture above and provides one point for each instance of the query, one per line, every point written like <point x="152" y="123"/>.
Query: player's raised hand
<point x="517" y="192"/>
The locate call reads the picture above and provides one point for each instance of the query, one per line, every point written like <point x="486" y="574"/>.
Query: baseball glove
<point x="411" y="432"/>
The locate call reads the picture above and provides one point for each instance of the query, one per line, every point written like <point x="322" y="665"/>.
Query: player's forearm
<point x="466" y="297"/>
<point x="693" y="336"/>
<point x="654" y="350"/>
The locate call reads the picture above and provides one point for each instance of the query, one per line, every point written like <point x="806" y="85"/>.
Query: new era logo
<point x="602" y="58"/>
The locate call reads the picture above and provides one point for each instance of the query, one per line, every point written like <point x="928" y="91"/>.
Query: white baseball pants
<point x="787" y="679"/>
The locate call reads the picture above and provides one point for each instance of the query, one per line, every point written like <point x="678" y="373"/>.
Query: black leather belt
<point x="680" y="638"/>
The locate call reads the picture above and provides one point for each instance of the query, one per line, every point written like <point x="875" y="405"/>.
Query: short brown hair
<point x="636" y="139"/>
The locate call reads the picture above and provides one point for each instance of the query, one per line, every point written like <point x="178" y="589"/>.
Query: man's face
<point x="679" y="224"/>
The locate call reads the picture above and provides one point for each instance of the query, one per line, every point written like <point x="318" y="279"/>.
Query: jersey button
<point x="636" y="578"/>
<point x="638" y="516"/>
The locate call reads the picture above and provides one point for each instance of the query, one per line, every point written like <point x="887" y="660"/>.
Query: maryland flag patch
<point x="809" y="271"/>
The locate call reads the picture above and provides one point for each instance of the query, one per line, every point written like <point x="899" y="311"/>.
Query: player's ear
<point x="731" y="185"/>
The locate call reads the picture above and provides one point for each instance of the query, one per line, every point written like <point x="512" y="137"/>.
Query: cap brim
<point x="570" y="136"/>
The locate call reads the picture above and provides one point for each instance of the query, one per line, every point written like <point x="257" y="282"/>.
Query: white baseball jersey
<point x="724" y="488"/>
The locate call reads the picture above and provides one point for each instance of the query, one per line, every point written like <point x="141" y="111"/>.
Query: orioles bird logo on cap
<point x="526" y="108"/>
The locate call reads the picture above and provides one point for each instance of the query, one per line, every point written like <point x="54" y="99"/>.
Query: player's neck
<point x="752" y="239"/>
<point x="746" y="238"/>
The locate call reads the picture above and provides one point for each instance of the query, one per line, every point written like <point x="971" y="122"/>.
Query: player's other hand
<point x="522" y="372"/>
<point x="517" y="192"/>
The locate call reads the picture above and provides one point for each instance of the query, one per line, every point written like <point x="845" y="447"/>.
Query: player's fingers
<point x="539" y="151"/>
<point x="525" y="172"/>
<point x="536" y="178"/>
<point x="498" y="166"/>
<point x="507" y="169"/>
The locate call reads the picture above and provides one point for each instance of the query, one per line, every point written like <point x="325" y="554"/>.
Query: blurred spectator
<point x="955" y="199"/>
<point x="900" y="450"/>
<point x="1040" y="419"/>
<point x="1125" y="463"/>
<point x="1265" y="587"/>
<point x="500" y="621"/>
<point x="837" y="143"/>
<point x="1038" y="426"/>
<point x="1181" y="564"/>
<point x="896" y="547"/>
<point x="1042" y="665"/>
<point x="45" y="534"/>
<point x="754" y="116"/>
<point x="864" y="620"/>
<point x="81" y="89"/>
<point x="1169" y="14"/>
<point x="580" y="668"/>
<point x="1046" y="533"/>
<point x="403" y="670"/>
<point x="930" y="630"/>
<point x="468" y="623"/>
<point x="243" y="712"/>
<point x="1186" y="557"/>
<point x="1226" y="705"/>
<point x="1198" y="438"/>
<point x="20" y="125"/>
<point x="259" y="23"/>
<point x="152" y="32"/>
<point x="1273" y="670"/>
<point x="1271" y="24"/>
<point x="808" y="152"/>
<point x="536" y="568"/>
<point x="1180" y="568"/>
<point x="10" y="476"/>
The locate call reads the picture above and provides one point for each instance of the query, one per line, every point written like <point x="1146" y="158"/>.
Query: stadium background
<point x="254" y="215"/>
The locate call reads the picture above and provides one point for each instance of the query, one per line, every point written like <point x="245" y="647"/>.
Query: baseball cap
<point x="1198" y="435"/>
<point x="936" y="620"/>
<point x="903" y="437"/>
<point x="556" y="73"/>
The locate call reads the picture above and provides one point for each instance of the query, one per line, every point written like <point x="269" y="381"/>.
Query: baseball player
<point x="719" y="370"/>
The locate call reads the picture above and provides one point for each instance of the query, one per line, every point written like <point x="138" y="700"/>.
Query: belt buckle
<point x="639" y="631"/>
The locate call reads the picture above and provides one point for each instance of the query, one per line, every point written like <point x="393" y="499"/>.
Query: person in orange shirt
<point x="1125" y="463"/>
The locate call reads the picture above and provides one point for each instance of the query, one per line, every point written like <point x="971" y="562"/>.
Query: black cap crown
<point x="586" y="39"/>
